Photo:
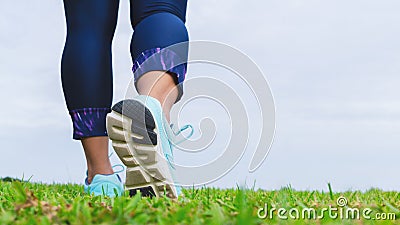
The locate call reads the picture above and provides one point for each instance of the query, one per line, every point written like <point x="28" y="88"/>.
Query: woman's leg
<point x="159" y="85"/>
<point x="157" y="25"/>
<point x="137" y="126"/>
<point x="86" y="74"/>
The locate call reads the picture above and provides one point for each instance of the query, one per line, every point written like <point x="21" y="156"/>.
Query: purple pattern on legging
<point x="89" y="122"/>
<point x="159" y="59"/>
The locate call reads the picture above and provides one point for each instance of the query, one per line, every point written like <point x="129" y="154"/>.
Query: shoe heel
<point x="131" y="128"/>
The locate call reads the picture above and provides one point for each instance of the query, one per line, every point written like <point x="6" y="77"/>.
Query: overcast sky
<point x="333" y="67"/>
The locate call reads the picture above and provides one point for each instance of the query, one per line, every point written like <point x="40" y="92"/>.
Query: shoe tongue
<point x="176" y="134"/>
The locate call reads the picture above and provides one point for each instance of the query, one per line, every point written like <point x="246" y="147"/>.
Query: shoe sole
<point x="134" y="135"/>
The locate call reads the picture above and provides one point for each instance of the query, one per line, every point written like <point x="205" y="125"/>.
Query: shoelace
<point x="175" y="138"/>
<point x="117" y="165"/>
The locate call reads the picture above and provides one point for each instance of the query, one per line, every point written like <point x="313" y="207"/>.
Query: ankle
<point x="94" y="172"/>
<point x="161" y="86"/>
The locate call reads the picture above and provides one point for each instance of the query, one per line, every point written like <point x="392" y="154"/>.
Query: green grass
<point x="33" y="203"/>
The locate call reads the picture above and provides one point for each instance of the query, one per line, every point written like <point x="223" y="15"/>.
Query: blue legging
<point x="86" y="67"/>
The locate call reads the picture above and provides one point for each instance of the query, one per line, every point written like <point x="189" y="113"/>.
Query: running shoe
<point x="107" y="185"/>
<point x="143" y="140"/>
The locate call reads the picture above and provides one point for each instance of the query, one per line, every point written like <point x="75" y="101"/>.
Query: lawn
<point x="35" y="203"/>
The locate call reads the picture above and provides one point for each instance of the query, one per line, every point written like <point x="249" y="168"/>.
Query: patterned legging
<point x="86" y="68"/>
